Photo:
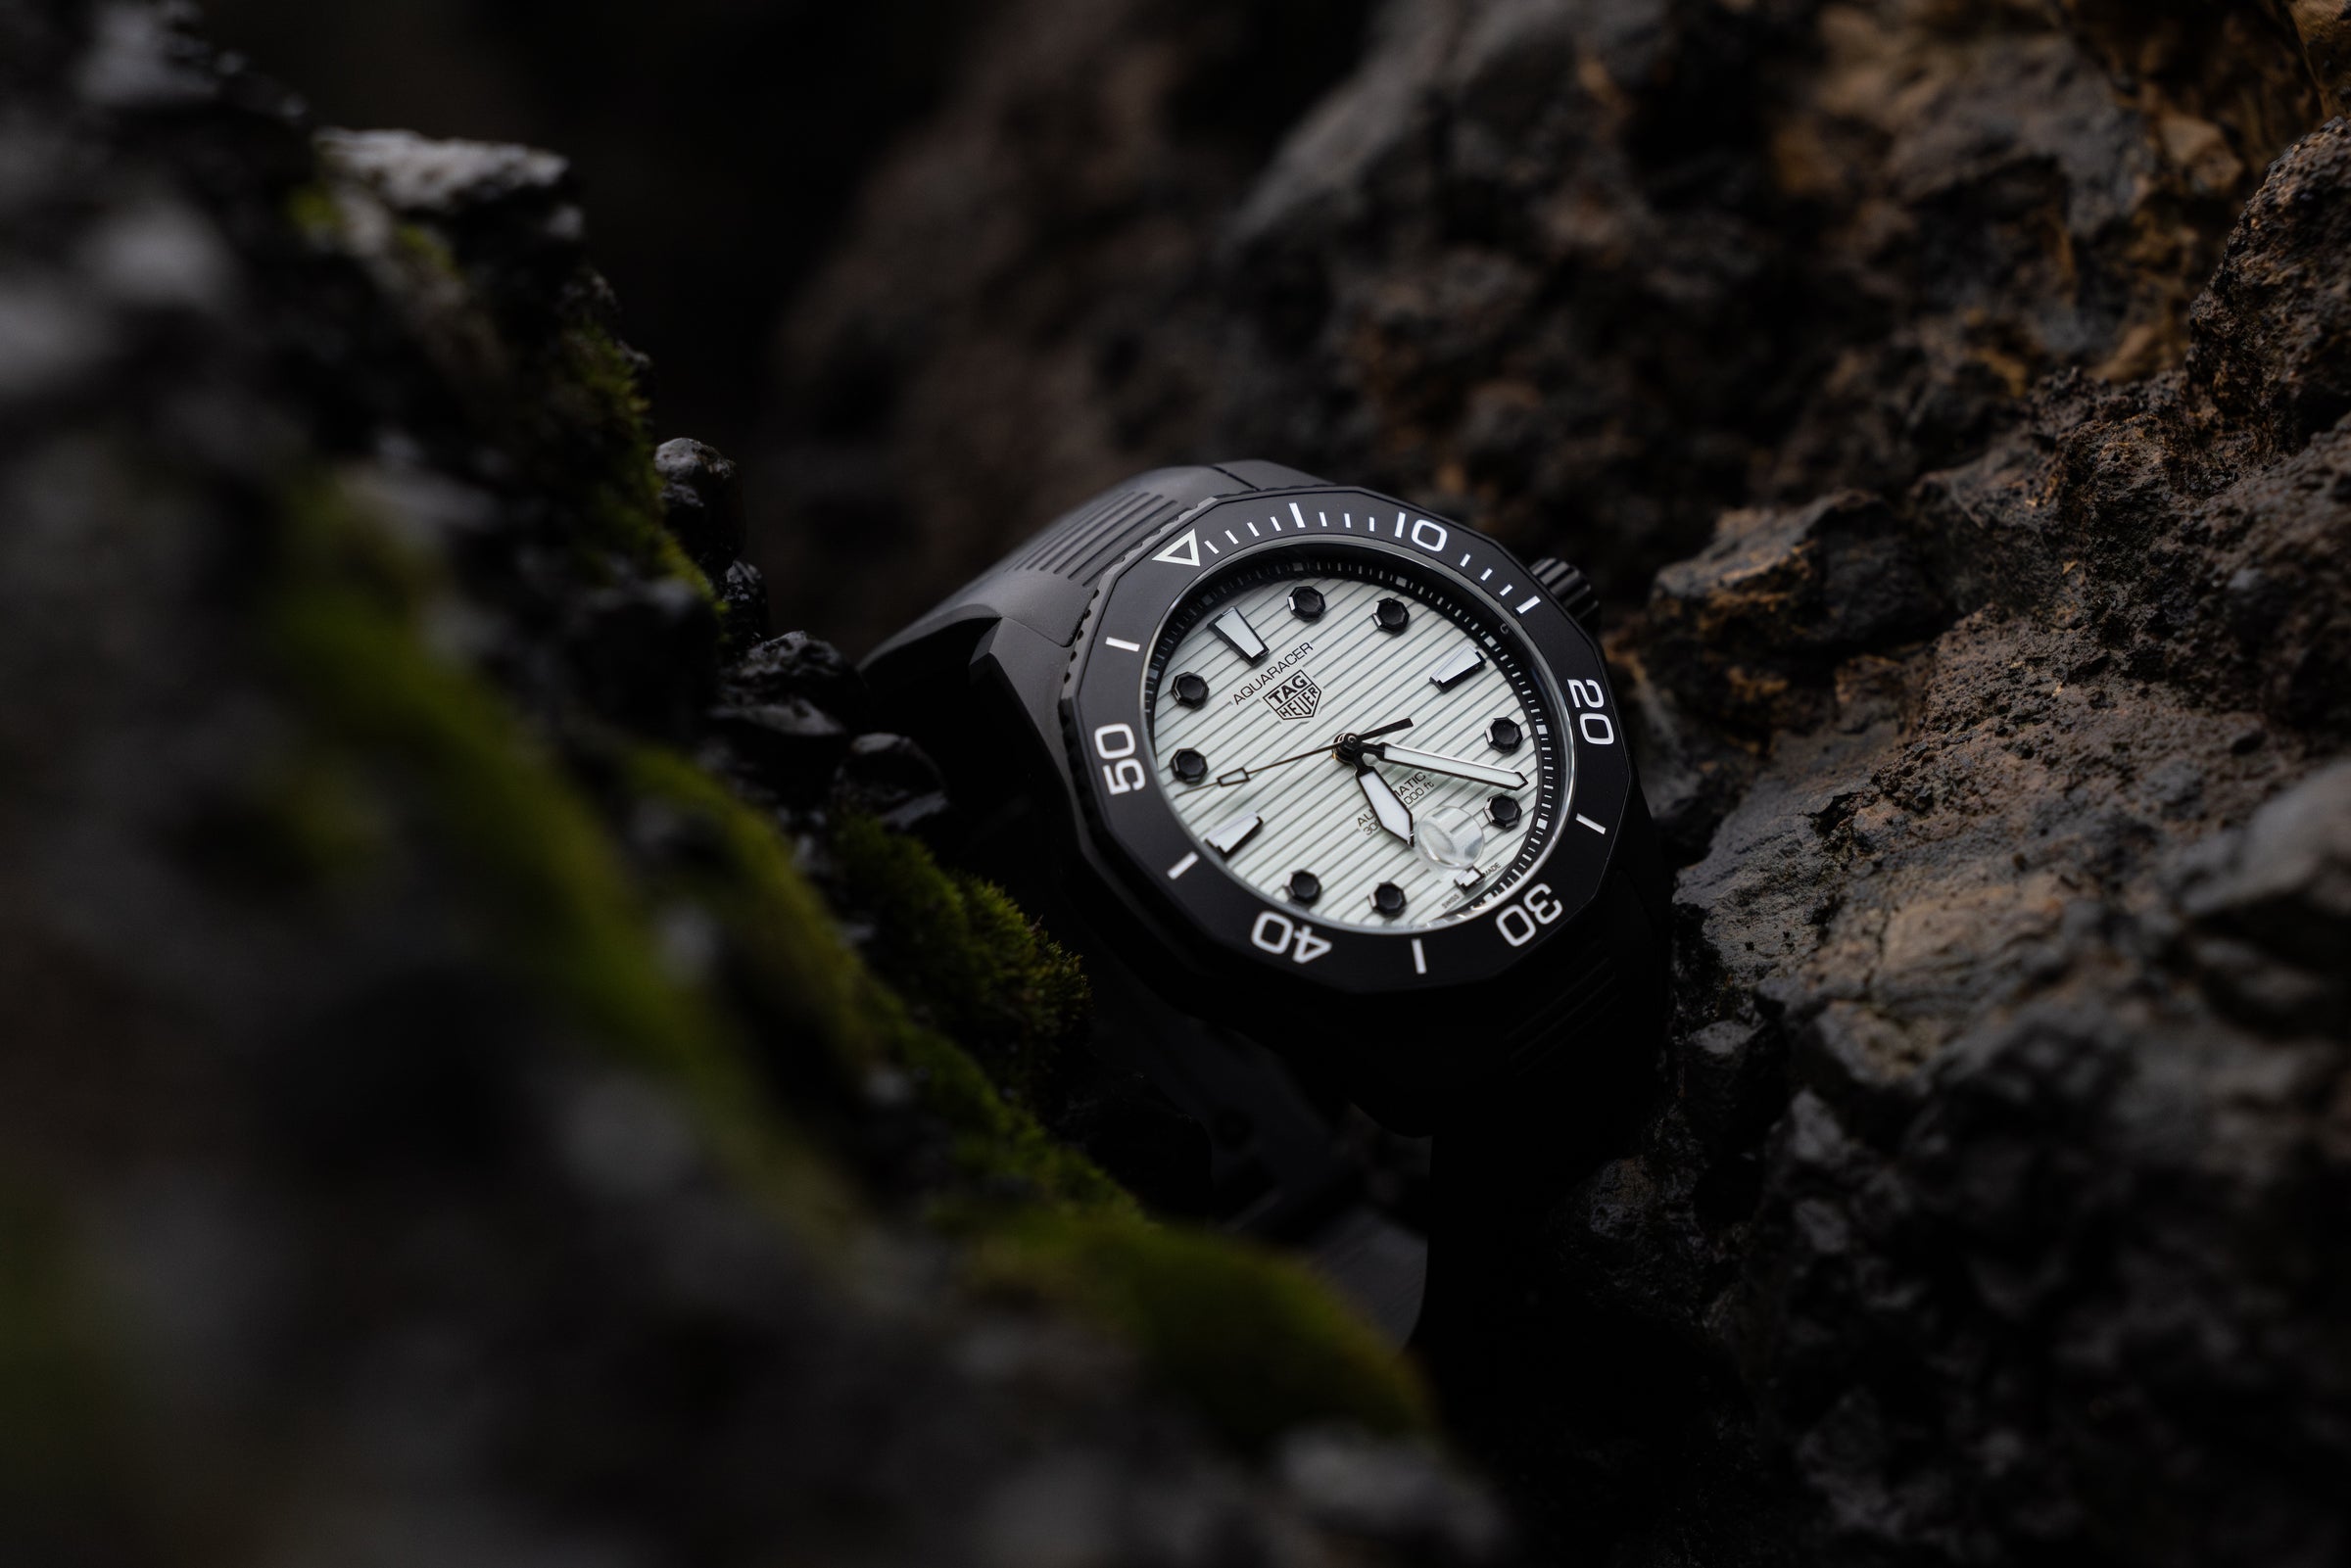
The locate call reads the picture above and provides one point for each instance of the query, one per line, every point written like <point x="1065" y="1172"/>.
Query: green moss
<point x="597" y="389"/>
<point x="421" y="248"/>
<point x="556" y="901"/>
<point x="800" y="967"/>
<point x="1244" y="1335"/>
<point x="59" y="1428"/>
<point x="965" y="955"/>
<point x="312" y="212"/>
<point x="309" y="824"/>
<point x="1248" y="1338"/>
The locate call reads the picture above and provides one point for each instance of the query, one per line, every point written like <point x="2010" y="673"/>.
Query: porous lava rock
<point x="1589" y="271"/>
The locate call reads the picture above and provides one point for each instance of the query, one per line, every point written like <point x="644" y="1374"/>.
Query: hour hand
<point x="1452" y="767"/>
<point x="1390" y="811"/>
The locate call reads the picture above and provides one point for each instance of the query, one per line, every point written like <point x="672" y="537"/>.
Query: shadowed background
<point x="469" y="1002"/>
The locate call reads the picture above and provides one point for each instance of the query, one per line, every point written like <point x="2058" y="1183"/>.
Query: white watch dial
<point x="1448" y="798"/>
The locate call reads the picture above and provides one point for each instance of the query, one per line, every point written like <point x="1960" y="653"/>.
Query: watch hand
<point x="1453" y="767"/>
<point x="1393" y="814"/>
<point x="1236" y="776"/>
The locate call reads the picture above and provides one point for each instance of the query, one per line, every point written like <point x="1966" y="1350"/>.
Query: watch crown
<point x="1572" y="588"/>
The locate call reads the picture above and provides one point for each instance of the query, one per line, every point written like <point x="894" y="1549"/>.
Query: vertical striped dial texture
<point x="1258" y="677"/>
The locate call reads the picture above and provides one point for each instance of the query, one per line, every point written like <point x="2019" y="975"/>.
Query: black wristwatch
<point x="1336" y="797"/>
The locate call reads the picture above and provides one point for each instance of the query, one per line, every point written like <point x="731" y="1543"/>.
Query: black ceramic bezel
<point x="1141" y="839"/>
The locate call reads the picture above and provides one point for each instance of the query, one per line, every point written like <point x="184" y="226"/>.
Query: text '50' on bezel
<point x="1128" y="808"/>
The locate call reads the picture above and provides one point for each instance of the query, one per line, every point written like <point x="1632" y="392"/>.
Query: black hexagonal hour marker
<point x="1306" y="604"/>
<point x="1304" y="886"/>
<point x="1190" y="689"/>
<point x="1506" y="734"/>
<point x="1390" y="615"/>
<point x="1188" y="765"/>
<point x="1504" y="811"/>
<point x="1388" y="899"/>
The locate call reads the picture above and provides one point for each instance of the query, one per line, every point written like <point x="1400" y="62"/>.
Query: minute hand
<point x="1455" y="767"/>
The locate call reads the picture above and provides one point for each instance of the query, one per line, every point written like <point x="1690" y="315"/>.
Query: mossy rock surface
<point x="1246" y="1336"/>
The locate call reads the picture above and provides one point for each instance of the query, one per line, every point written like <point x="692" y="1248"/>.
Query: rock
<point x="1393" y="1493"/>
<point x="1751" y="632"/>
<point x="891" y="778"/>
<point x="645" y="655"/>
<point x="742" y="599"/>
<point x="702" y="500"/>
<point x="1588" y="275"/>
<point x="2273" y="330"/>
<point x="422" y="178"/>
<point x="797" y="665"/>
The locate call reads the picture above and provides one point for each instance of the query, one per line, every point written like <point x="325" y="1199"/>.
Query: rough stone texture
<point x="1950" y="398"/>
<point x="1587" y="271"/>
<point x="439" y="1120"/>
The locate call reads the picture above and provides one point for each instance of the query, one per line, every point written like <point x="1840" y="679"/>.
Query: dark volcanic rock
<point x="2273" y="332"/>
<point x="2040" y="1220"/>
<point x="701" y="499"/>
<point x="1585" y="274"/>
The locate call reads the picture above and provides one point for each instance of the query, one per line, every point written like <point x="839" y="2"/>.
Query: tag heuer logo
<point x="1296" y="697"/>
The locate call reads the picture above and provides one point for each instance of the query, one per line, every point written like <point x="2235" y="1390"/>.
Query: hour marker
<point x="1388" y="899"/>
<point x="1488" y="571"/>
<point x="1189" y="689"/>
<point x="1390" y="616"/>
<point x="1589" y="822"/>
<point x="1182" y="866"/>
<point x="1122" y="642"/>
<point x="1306" y="604"/>
<point x="1253" y="533"/>
<point x="1531" y="605"/>
<point x="1234" y="628"/>
<point x="1506" y="734"/>
<point x="1504" y="811"/>
<point x="1304" y="886"/>
<point x="1188" y="765"/>
<point x="1454" y="671"/>
<point x="1419" y="958"/>
<point x="1295" y="512"/>
<point x="1229" y="838"/>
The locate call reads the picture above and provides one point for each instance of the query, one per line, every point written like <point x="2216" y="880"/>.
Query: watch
<point x="1335" y="799"/>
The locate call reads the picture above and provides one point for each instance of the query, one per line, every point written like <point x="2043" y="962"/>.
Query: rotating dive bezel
<point x="1125" y="808"/>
